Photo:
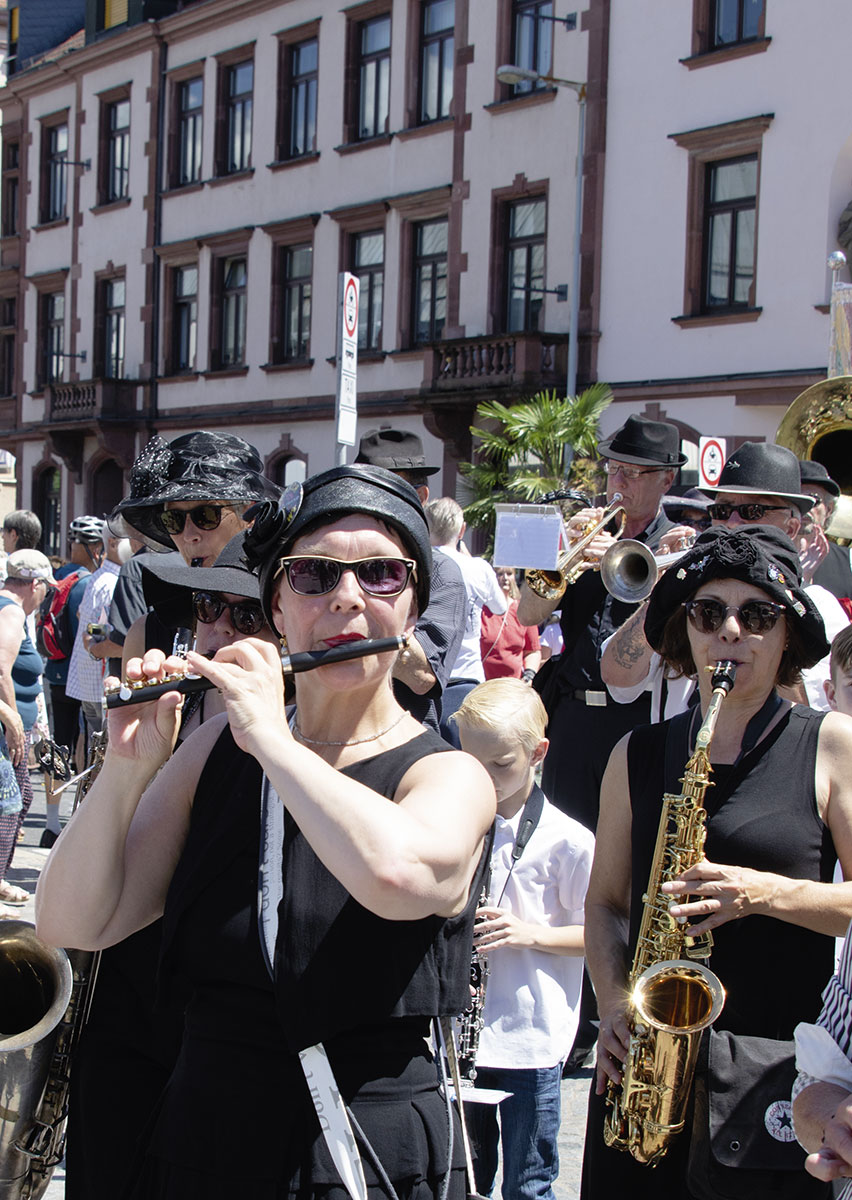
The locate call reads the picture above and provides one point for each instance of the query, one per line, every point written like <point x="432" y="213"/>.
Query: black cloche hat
<point x="395" y="450"/>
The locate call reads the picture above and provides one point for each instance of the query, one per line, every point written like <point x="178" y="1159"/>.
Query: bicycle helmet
<point x="87" y="529"/>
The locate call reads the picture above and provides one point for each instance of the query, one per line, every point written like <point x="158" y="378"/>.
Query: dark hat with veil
<point x="199" y="466"/>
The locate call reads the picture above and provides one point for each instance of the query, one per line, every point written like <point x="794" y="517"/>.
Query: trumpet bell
<point x="629" y="571"/>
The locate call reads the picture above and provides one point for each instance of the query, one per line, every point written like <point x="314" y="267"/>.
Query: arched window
<point x="48" y="508"/>
<point x="107" y="487"/>
<point x="289" y="470"/>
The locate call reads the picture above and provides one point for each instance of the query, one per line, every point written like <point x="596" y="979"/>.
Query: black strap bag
<point x="743" y="1146"/>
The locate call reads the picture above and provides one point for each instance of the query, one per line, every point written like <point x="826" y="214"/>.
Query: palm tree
<point x="523" y="449"/>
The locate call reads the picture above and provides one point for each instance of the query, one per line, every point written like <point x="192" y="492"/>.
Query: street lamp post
<point x="512" y="74"/>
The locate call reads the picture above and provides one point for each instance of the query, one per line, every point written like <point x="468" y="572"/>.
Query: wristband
<point x="528" y="675"/>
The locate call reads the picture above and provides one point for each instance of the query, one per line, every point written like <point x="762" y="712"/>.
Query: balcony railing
<point x="509" y="360"/>
<point x="91" y="400"/>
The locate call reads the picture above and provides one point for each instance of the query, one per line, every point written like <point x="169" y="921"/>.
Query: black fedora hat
<point x="395" y="450"/>
<point x="168" y="586"/>
<point x="644" y="442"/>
<point x="814" y="472"/>
<point x="199" y="466"/>
<point x="763" y="469"/>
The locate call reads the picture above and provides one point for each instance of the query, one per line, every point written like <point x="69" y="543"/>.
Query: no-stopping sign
<point x="711" y="459"/>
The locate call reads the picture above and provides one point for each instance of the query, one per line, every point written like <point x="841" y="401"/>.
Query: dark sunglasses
<point x="755" y="616"/>
<point x="748" y="512"/>
<point x="246" y="615"/>
<point x="310" y="575"/>
<point x="204" y="516"/>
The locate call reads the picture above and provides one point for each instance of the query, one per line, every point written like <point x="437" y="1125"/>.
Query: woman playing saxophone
<point x="779" y="811"/>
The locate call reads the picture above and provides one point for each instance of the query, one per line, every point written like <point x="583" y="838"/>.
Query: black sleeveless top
<point x="363" y="985"/>
<point x="761" y="813"/>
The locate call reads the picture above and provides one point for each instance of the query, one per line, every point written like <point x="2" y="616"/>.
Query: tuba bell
<point x="35" y="987"/>
<point x="818" y="426"/>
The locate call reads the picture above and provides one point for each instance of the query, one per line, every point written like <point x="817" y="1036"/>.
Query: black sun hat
<point x="168" y="586"/>
<point x="199" y="466"/>
<point x="763" y="469"/>
<point x="811" y="471"/>
<point x="758" y="554"/>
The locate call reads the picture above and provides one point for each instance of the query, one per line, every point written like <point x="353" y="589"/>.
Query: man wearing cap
<point x="834" y="573"/>
<point x="641" y="461"/>
<point x="423" y="669"/>
<point x="760" y="484"/>
<point x="86" y="668"/>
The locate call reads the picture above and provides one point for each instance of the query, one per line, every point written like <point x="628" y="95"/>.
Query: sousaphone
<point x="818" y="426"/>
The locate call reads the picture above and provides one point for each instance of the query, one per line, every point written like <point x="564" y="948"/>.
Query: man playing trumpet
<point x="641" y="460"/>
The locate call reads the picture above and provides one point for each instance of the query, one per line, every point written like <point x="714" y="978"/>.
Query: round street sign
<point x="711" y="459"/>
<point x="350" y="307"/>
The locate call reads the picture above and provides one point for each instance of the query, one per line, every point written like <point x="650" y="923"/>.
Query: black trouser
<point x="66" y="717"/>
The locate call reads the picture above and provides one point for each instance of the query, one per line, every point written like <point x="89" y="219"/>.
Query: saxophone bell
<point x="673" y="998"/>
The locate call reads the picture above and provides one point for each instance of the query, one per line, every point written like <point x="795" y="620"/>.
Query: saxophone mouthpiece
<point x="724" y="675"/>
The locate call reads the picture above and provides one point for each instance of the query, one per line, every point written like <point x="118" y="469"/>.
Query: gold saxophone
<point x="550" y="585"/>
<point x="673" y="998"/>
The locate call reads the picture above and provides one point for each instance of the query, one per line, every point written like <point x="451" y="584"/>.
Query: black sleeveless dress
<point x="236" y="1117"/>
<point x="761" y="813"/>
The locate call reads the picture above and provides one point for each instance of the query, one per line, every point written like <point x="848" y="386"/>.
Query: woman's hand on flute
<point x="147" y="732"/>
<point x="248" y="674"/>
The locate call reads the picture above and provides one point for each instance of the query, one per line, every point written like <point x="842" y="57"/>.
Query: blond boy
<point x="838" y="686"/>
<point x="531" y="933"/>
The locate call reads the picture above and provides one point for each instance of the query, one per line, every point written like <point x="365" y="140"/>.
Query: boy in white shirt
<point x="531" y="936"/>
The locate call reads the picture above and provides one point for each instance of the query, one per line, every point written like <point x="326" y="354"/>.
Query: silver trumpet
<point x="629" y="570"/>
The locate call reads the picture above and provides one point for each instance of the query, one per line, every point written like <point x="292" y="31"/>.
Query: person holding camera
<point x="91" y="643"/>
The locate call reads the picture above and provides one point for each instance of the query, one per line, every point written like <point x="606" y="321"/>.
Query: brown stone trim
<point x="736" y="316"/>
<point x="180" y="253"/>
<point x="526" y="100"/>
<point x="417" y="131"/>
<point x="182" y="378"/>
<point x="748" y="390"/>
<point x="109" y="95"/>
<point x="50" y="225"/>
<point x="185" y="189"/>
<point x="111" y="206"/>
<point x="49" y="281"/>
<point x="284" y="164"/>
<point x="224" y="372"/>
<point x="101" y="53"/>
<point x="236" y="54"/>
<point x="228" y="242"/>
<point x="296" y="364"/>
<point x="726" y="54"/>
<point x="456" y="259"/>
<point x="596" y="23"/>
<point x="433" y="202"/>
<point x="219" y="180"/>
<point x="286" y="451"/>
<point x="503" y="51"/>
<point x="734" y="137"/>
<point x="706" y="145"/>
<point x="823" y="308"/>
<point x="187" y="70"/>
<point x="298" y="229"/>
<point x="360" y="218"/>
<point x="383" y="139"/>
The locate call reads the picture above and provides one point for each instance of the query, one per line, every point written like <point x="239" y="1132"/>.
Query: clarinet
<point x="471" y="1022"/>
<point x="138" y="691"/>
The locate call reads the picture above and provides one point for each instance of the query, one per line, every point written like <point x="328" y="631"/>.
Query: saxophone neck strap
<point x="530" y="818"/>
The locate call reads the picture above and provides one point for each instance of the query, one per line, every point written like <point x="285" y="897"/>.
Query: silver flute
<point x="139" y="692"/>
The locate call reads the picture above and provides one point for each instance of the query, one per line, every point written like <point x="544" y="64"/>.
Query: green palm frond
<point x="521" y="449"/>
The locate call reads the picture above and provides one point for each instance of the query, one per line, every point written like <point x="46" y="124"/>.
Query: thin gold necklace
<point x="374" y="737"/>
